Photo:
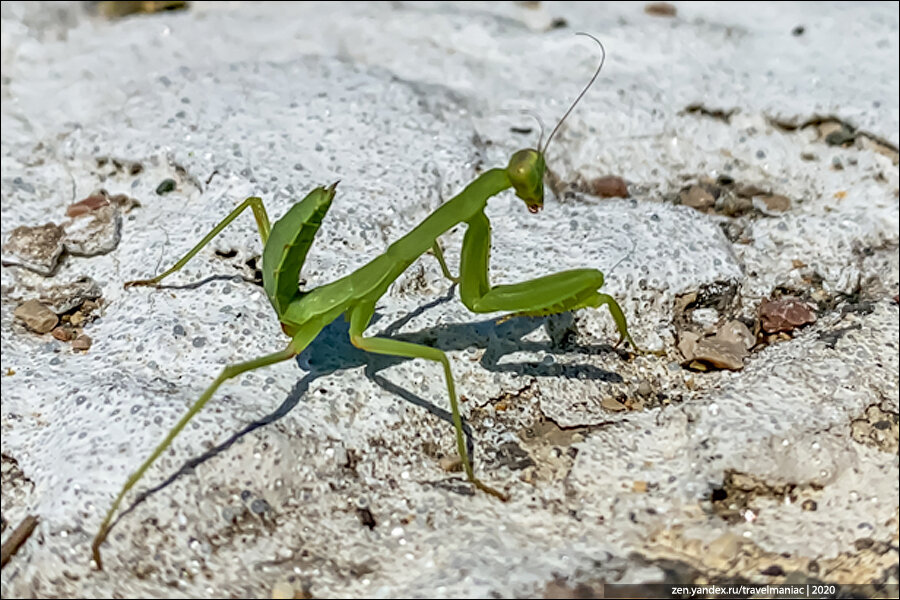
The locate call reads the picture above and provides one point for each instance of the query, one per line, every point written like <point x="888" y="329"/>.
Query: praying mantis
<point x="304" y="314"/>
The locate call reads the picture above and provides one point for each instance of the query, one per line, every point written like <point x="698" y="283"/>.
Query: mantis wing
<point x="289" y="242"/>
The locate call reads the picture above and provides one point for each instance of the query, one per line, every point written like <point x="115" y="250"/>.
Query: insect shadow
<point x="332" y="351"/>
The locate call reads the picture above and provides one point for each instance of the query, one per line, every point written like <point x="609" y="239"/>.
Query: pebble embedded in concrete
<point x="36" y="316"/>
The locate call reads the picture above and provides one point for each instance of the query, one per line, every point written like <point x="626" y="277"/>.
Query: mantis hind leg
<point x="304" y="336"/>
<point x="359" y="320"/>
<point x="262" y="223"/>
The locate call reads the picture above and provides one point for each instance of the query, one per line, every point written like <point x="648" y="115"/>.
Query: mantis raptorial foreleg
<point x="262" y="223"/>
<point x="360" y="316"/>
<point x="548" y="295"/>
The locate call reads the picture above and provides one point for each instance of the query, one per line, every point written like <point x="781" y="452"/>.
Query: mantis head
<point x="526" y="168"/>
<point x="526" y="172"/>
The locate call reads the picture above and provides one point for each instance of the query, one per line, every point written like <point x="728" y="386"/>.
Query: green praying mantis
<point x="303" y="314"/>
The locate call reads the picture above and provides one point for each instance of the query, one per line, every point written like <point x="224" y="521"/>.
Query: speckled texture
<point x="616" y="467"/>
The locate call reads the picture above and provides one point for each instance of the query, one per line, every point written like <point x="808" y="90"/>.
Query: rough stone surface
<point x="328" y="475"/>
<point x="60" y="294"/>
<point x="93" y="233"/>
<point x="37" y="248"/>
<point x="36" y="316"/>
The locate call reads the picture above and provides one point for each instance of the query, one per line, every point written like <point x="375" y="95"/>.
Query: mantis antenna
<point x="537" y="118"/>
<point x="583" y="92"/>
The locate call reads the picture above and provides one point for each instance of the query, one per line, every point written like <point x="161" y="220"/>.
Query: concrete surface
<point x="620" y="469"/>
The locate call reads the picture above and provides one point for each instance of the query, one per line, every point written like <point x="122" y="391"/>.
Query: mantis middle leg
<point x="262" y="223"/>
<point x="360" y="316"/>
<point x="439" y="255"/>
<point x="551" y="294"/>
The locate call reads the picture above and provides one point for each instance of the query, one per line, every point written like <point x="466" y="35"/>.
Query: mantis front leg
<point x="262" y="223"/>
<point x="551" y="294"/>
<point x="360" y="316"/>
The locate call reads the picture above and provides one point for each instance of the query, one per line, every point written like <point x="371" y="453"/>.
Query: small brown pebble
<point x="88" y="307"/>
<point x="735" y="331"/>
<point x="719" y="353"/>
<point x="36" y="316"/>
<point x="809" y="505"/>
<point x="775" y="202"/>
<point x="609" y="186"/>
<point x="661" y="9"/>
<point x="451" y="464"/>
<point x="92" y="202"/>
<point x="639" y="486"/>
<point x="697" y="197"/>
<point x="784" y="314"/>
<point x="124" y="201"/>
<point x="726" y="350"/>
<point x="611" y="404"/>
<point x="82" y="342"/>
<point x="63" y="334"/>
